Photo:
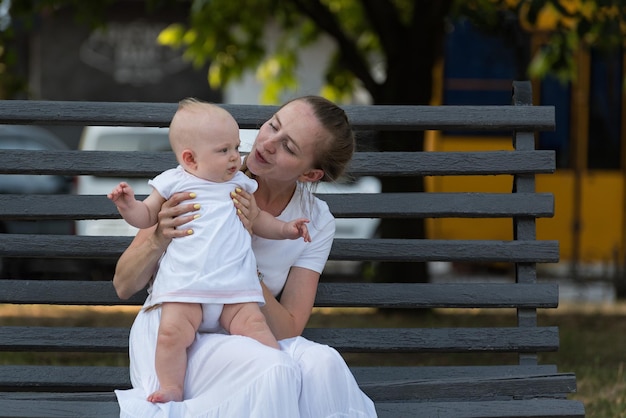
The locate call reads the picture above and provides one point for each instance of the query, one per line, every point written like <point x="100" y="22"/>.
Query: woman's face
<point x="285" y="147"/>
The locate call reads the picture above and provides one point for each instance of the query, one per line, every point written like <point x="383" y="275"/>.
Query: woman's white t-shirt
<point x="275" y="258"/>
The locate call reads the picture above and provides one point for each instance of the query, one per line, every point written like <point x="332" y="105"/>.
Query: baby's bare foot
<point x="164" y="395"/>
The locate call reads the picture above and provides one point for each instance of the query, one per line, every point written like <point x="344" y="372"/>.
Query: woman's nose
<point x="269" y="145"/>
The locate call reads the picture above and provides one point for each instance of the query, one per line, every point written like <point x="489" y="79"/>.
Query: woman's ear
<point x="188" y="159"/>
<point x="312" y="176"/>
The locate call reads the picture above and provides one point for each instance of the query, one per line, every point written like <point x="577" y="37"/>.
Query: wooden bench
<point x="522" y="388"/>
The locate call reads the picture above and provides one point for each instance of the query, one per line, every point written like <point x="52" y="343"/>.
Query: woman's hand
<point x="174" y="214"/>
<point x="247" y="210"/>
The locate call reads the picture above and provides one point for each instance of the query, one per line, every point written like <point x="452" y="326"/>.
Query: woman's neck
<point x="274" y="197"/>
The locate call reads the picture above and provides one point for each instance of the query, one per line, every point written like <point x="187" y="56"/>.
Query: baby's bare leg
<point x="247" y="319"/>
<point x="177" y="330"/>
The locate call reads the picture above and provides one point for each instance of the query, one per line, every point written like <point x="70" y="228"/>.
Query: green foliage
<point x="567" y="25"/>
<point x="234" y="39"/>
<point x="359" y="34"/>
<point x="594" y="24"/>
<point x="556" y="58"/>
<point x="371" y="37"/>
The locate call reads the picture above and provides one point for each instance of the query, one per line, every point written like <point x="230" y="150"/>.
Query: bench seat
<point x="103" y="404"/>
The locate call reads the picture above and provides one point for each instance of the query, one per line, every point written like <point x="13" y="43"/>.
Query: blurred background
<point x="354" y="52"/>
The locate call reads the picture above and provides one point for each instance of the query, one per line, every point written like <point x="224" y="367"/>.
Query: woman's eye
<point x="286" y="147"/>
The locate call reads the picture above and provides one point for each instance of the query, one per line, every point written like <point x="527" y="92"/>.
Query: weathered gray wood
<point x="382" y="295"/>
<point x="367" y="375"/>
<point x="524" y="228"/>
<point x="522" y="93"/>
<point x="443" y="250"/>
<point x="447" y="295"/>
<point x="399" y="383"/>
<point x="102" y="405"/>
<point x="392" y="205"/>
<point x="149" y="164"/>
<point x="473" y="388"/>
<point x="531" y="408"/>
<point x="64" y="378"/>
<point x="25" y="245"/>
<point x="57" y="405"/>
<point x="108" y="378"/>
<point x="397" y="340"/>
<point x="252" y="116"/>
<point x="383" y="340"/>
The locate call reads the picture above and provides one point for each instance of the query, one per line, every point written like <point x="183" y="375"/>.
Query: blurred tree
<point x="388" y="48"/>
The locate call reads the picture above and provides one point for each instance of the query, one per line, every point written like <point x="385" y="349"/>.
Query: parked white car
<point x="115" y="138"/>
<point x="109" y="138"/>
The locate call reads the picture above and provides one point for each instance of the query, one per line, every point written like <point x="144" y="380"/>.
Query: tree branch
<point x="383" y="17"/>
<point x="350" y="55"/>
<point x="430" y="15"/>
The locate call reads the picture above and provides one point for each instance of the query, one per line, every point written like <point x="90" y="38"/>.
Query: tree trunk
<point x="409" y="81"/>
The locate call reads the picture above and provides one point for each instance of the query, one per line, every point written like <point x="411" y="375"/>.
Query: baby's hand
<point x="297" y="228"/>
<point x="122" y="195"/>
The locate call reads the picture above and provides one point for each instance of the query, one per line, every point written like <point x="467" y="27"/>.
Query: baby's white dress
<point x="214" y="265"/>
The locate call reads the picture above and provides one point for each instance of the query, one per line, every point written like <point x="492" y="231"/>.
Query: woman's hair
<point x="335" y="154"/>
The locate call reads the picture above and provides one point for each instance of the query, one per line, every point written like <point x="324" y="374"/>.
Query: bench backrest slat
<point x="382" y="295"/>
<point x="26" y="245"/>
<point x="404" y="118"/>
<point x="393" y="205"/>
<point x="398" y="340"/>
<point x="148" y="164"/>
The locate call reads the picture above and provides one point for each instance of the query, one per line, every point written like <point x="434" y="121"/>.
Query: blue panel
<point x="554" y="93"/>
<point x="479" y="68"/>
<point x="605" y="108"/>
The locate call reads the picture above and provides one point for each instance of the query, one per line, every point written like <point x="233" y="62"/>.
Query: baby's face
<point x="218" y="157"/>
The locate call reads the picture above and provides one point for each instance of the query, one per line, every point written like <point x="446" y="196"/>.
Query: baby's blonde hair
<point x="182" y="133"/>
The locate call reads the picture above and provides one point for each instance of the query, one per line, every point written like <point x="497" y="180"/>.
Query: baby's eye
<point x="224" y="150"/>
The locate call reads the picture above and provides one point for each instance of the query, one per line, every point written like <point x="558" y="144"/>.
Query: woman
<point x="308" y="140"/>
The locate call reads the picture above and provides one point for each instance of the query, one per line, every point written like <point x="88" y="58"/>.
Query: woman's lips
<point x="260" y="158"/>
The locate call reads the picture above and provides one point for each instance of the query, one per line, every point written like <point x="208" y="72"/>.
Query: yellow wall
<point x="601" y="214"/>
<point x="601" y="207"/>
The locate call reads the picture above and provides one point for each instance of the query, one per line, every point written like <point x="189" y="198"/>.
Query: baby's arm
<point x="137" y="213"/>
<point x="267" y="226"/>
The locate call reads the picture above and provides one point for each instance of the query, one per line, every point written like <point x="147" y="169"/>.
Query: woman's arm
<point x="139" y="262"/>
<point x="288" y="317"/>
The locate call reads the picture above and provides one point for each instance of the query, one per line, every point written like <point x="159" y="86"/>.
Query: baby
<point x="208" y="279"/>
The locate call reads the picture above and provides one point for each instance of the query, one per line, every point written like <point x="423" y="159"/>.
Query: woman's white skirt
<point x="235" y="376"/>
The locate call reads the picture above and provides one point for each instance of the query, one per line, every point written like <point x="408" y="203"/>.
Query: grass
<point x="593" y="341"/>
